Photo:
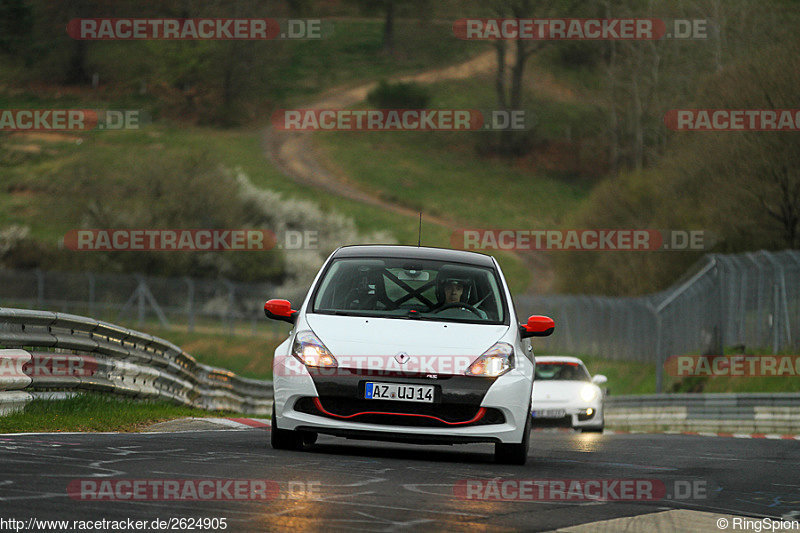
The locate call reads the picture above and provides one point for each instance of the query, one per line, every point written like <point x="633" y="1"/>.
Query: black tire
<point x="515" y="454"/>
<point x="592" y="430"/>
<point x="283" y="439"/>
<point x="308" y="438"/>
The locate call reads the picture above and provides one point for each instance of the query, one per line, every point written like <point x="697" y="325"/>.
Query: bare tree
<point x="390" y="9"/>
<point x="510" y="85"/>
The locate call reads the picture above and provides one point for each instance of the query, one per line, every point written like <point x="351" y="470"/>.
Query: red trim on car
<point x="478" y="416"/>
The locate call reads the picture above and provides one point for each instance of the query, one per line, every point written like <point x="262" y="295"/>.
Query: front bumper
<point x="465" y="409"/>
<point x="574" y="416"/>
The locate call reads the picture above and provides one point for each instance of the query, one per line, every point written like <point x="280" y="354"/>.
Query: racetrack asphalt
<point x="344" y="485"/>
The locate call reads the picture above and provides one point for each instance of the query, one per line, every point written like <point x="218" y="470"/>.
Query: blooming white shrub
<point x="11" y="236"/>
<point x="271" y="210"/>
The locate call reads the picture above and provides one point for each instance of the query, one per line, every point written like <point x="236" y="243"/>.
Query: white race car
<point x="565" y="394"/>
<point x="406" y="344"/>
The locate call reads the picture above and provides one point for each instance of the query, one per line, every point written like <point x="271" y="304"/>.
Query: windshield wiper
<point x="337" y="312"/>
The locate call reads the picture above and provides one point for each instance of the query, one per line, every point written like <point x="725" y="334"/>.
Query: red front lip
<point x="478" y="415"/>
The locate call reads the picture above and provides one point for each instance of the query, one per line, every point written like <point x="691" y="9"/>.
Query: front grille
<point x="452" y="413"/>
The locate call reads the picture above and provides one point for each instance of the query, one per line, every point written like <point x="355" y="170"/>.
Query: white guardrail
<point x="46" y="354"/>
<point x="775" y="413"/>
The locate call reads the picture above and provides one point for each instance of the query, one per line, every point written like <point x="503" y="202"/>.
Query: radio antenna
<point x="419" y="240"/>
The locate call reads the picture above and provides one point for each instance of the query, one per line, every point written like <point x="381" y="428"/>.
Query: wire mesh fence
<point x="748" y="301"/>
<point x="744" y="301"/>
<point x="194" y="303"/>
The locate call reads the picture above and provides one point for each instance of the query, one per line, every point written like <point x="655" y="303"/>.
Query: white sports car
<point x="565" y="394"/>
<point x="406" y="344"/>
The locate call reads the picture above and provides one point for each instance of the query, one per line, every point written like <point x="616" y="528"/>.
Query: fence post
<point x="723" y="283"/>
<point x="712" y="263"/>
<point x="778" y="294"/>
<point x="231" y="303"/>
<point x="254" y="316"/>
<point x="140" y="301"/>
<point x="659" y="362"/>
<point x="795" y="256"/>
<point x="190" y="302"/>
<point x="565" y="326"/>
<point x="141" y="295"/>
<point x="759" y="302"/>
<point x="736" y="310"/>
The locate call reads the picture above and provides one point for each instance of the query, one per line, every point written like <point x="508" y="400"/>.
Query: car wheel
<point x="592" y="430"/>
<point x="308" y="438"/>
<point x="515" y="454"/>
<point x="283" y="439"/>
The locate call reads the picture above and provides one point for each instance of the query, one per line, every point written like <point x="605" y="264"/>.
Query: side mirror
<point x="599" y="379"/>
<point x="537" y="326"/>
<point x="280" y="310"/>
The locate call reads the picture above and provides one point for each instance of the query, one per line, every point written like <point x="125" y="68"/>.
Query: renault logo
<point x="402" y="358"/>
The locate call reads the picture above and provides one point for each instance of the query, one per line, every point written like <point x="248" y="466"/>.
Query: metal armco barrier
<point x="46" y="351"/>
<point x="55" y="354"/>
<point x="777" y="413"/>
<point x="13" y="378"/>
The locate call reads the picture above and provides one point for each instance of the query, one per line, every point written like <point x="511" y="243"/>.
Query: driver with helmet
<point x="454" y="291"/>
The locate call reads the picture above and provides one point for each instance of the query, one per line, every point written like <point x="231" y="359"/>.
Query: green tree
<point x="16" y="26"/>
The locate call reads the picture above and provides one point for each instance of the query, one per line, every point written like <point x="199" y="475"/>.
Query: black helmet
<point x="451" y="274"/>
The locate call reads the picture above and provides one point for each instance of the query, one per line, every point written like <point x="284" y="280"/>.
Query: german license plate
<point x="550" y="413"/>
<point x="399" y="392"/>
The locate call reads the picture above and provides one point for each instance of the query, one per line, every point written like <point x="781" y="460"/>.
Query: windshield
<point x="411" y="288"/>
<point x="562" y="371"/>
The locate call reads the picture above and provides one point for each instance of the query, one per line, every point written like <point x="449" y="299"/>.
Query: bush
<point x="155" y="189"/>
<point x="399" y="96"/>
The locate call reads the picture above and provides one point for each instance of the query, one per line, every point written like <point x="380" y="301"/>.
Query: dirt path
<point x="297" y="156"/>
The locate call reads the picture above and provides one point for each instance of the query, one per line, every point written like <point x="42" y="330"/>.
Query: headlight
<point x="494" y="362"/>
<point x="588" y="392"/>
<point x="310" y="351"/>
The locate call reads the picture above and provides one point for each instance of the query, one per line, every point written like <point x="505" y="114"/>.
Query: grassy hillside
<point x="584" y="105"/>
<point x="445" y="173"/>
<point x="38" y="170"/>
